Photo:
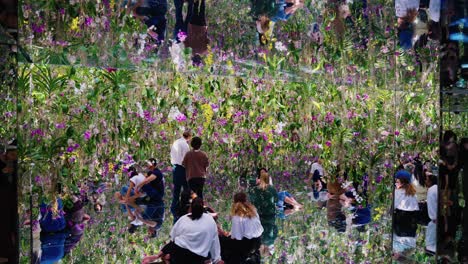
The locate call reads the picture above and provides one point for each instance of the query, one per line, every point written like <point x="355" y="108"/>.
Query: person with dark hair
<point x="316" y="174"/>
<point x="196" y="163"/>
<point x="463" y="154"/>
<point x="179" y="148"/>
<point x="153" y="14"/>
<point x="431" y="230"/>
<point x="405" y="209"/>
<point x="194" y="239"/>
<point x="153" y="186"/>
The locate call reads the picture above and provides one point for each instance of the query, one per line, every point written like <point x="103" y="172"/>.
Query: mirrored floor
<point x="325" y="228"/>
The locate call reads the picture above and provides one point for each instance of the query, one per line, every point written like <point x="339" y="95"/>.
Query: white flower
<point x="279" y="46"/>
<point x="177" y="55"/>
<point x="173" y="113"/>
<point x="279" y="127"/>
<point x="140" y="109"/>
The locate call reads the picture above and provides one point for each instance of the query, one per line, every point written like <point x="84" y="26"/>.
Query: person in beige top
<point x="196" y="164"/>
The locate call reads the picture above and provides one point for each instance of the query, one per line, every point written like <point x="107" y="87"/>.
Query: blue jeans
<point x="281" y="196"/>
<point x="179" y="181"/>
<point x="155" y="212"/>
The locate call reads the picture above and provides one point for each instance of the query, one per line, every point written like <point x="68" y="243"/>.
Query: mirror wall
<point x="415" y="176"/>
<point x="293" y="38"/>
<point x="8" y="151"/>
<point x="452" y="226"/>
<point x="321" y="93"/>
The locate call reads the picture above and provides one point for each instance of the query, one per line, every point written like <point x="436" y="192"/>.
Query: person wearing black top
<point x="153" y="186"/>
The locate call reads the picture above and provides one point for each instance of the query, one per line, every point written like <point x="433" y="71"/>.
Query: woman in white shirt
<point x="246" y="231"/>
<point x="194" y="238"/>
<point x="405" y="209"/>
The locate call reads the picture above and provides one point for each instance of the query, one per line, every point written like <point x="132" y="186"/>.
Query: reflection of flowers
<point x="87" y="135"/>
<point x="175" y="114"/>
<point x="182" y="36"/>
<point x="279" y="46"/>
<point x="177" y="55"/>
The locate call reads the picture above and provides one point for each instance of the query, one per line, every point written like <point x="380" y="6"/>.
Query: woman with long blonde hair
<point x="246" y="231"/>
<point x="264" y="196"/>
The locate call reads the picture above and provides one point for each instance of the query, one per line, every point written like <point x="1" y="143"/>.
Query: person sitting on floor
<point x="246" y="230"/>
<point x="194" y="239"/>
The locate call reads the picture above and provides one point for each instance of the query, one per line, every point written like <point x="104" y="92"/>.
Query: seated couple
<point x="196" y="238"/>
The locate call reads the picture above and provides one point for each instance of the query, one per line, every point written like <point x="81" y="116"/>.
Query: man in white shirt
<point x="179" y="148"/>
<point x="316" y="173"/>
<point x="431" y="237"/>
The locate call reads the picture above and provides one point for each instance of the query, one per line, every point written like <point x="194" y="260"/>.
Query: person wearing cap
<point x="406" y="208"/>
<point x="196" y="163"/>
<point x="178" y="150"/>
<point x="153" y="186"/>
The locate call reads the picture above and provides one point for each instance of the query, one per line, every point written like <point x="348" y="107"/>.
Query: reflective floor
<point x="322" y="231"/>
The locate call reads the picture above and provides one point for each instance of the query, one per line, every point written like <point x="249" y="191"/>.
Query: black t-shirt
<point x="158" y="183"/>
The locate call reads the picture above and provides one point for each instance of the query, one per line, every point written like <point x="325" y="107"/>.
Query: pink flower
<point x="87" y="135"/>
<point x="329" y="118"/>
<point x="328" y="143"/>
<point x="181" y="117"/>
<point x="182" y="36"/>
<point x="397" y="133"/>
<point x="60" y="125"/>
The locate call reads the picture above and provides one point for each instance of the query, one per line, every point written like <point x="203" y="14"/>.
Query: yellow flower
<point x="209" y="58"/>
<point x="208" y="114"/>
<point x="74" y="24"/>
<point x="112" y="4"/>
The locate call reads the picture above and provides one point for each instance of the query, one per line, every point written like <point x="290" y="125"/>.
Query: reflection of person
<point x="286" y="8"/>
<point x="316" y="173"/>
<point x="181" y="23"/>
<point x="178" y="150"/>
<point x="197" y="35"/>
<point x="196" y="164"/>
<point x="406" y="12"/>
<point x="463" y="250"/>
<point x="405" y="209"/>
<point x="52" y="216"/>
<point x="335" y="216"/>
<point x="431" y="234"/>
<point x="153" y="13"/>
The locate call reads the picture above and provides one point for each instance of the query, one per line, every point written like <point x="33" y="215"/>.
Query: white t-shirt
<point x="405" y="202"/>
<point x="246" y="227"/>
<point x="137" y="179"/>
<point x="402" y="6"/>
<point x="199" y="236"/>
<point x="178" y="150"/>
<point x="316" y="166"/>
<point x="434" y="10"/>
<point x="432" y="202"/>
